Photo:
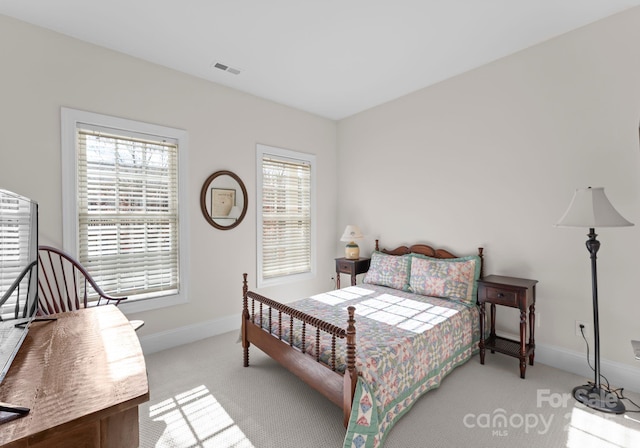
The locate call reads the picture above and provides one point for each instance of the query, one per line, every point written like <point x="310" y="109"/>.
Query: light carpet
<point x="201" y="396"/>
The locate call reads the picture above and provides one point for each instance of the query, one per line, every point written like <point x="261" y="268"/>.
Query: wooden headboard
<point x="429" y="251"/>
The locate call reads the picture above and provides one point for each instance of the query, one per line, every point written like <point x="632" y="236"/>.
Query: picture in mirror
<point x="223" y="200"/>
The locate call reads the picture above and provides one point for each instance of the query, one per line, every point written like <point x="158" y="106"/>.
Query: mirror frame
<point x="203" y="199"/>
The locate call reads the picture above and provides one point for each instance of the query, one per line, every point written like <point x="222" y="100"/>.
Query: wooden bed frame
<point x="339" y="388"/>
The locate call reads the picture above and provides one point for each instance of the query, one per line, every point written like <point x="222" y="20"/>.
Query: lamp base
<point x="598" y="398"/>
<point x="352" y="251"/>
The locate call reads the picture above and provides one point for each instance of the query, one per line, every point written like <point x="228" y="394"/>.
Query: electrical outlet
<point x="580" y="331"/>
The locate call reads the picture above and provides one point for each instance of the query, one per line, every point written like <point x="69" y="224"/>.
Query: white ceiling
<point x="332" y="58"/>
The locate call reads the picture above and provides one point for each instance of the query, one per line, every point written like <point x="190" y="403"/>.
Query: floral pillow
<point x="453" y="278"/>
<point x="389" y="270"/>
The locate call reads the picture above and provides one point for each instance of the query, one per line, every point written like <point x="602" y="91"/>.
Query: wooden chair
<point x="65" y="285"/>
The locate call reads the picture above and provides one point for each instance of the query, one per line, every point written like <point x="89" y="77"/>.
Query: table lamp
<point x="350" y="235"/>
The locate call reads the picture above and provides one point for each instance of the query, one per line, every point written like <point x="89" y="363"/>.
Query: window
<point x="286" y="208"/>
<point x="125" y="220"/>
<point x="18" y="256"/>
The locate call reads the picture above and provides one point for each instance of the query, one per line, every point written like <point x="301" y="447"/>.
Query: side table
<point x="353" y="267"/>
<point x="515" y="293"/>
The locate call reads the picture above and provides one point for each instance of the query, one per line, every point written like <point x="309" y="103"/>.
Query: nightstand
<point x="351" y="267"/>
<point x="515" y="293"/>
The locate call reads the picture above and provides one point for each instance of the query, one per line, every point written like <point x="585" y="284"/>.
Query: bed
<point x="417" y="319"/>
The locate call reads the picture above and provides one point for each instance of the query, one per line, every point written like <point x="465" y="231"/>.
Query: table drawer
<point x="499" y="296"/>
<point x="346" y="267"/>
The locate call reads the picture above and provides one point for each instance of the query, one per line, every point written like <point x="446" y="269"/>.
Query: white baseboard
<point x="618" y="374"/>
<point x="189" y="333"/>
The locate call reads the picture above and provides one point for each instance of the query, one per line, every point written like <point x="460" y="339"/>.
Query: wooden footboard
<point x="323" y="377"/>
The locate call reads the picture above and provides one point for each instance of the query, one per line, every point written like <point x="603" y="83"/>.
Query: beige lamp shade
<point x="591" y="208"/>
<point x="350" y="235"/>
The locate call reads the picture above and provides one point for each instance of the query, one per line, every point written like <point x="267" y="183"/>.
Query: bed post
<point x="245" y="319"/>
<point x="350" y="375"/>
<point x="377" y="247"/>
<point x="480" y="250"/>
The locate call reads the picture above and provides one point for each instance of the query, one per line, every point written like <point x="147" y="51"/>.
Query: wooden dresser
<point x="83" y="377"/>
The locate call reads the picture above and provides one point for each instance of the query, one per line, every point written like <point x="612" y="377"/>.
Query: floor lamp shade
<point x="350" y="235"/>
<point x="590" y="208"/>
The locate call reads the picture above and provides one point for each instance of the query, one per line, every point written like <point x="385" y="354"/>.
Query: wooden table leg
<point x="492" y="335"/>
<point x="523" y="348"/>
<point x="532" y="326"/>
<point x="481" y="344"/>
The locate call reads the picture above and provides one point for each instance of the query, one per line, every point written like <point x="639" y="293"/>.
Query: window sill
<point x="285" y="279"/>
<point x="131" y="306"/>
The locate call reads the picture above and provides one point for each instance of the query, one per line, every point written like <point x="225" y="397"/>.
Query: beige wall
<point x="42" y="71"/>
<point x="491" y="158"/>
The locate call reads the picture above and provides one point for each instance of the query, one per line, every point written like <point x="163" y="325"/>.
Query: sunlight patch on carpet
<point x="587" y="430"/>
<point x="195" y="419"/>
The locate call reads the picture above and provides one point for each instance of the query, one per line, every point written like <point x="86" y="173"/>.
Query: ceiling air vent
<point x="226" y="68"/>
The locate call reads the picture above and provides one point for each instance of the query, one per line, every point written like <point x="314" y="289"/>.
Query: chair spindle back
<point x="65" y="285"/>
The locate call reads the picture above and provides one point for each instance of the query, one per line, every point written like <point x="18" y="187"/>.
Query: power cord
<point x="618" y="392"/>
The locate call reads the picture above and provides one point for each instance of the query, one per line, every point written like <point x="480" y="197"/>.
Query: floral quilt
<point x="406" y="344"/>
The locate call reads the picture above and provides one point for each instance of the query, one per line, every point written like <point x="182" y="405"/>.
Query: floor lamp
<point x="590" y="208"/>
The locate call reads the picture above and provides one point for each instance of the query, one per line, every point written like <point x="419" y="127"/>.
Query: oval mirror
<point x="223" y="200"/>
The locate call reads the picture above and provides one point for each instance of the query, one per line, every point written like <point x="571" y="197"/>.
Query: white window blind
<point x="18" y="242"/>
<point x="286" y="216"/>
<point x="128" y="211"/>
